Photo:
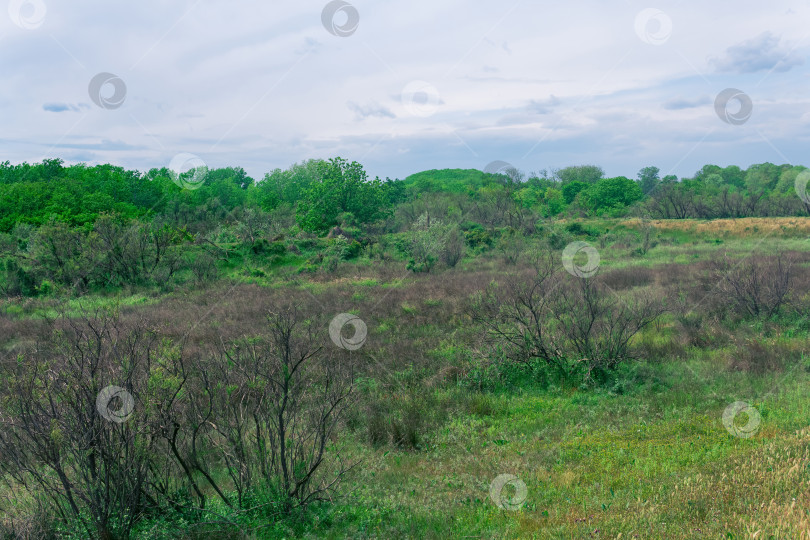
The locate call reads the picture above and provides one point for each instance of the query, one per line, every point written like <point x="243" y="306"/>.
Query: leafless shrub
<point x="511" y="244"/>
<point x="91" y="470"/>
<point x="572" y="324"/>
<point x="655" y="347"/>
<point x="399" y="419"/>
<point x="204" y="268"/>
<point x="276" y="405"/>
<point x="758" y="355"/>
<point x="627" y="278"/>
<point x="24" y="522"/>
<point x="755" y="286"/>
<point x="134" y="252"/>
<point x="265" y="410"/>
<point x="454" y="247"/>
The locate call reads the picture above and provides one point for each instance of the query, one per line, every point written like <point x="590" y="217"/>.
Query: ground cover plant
<point x="456" y="354"/>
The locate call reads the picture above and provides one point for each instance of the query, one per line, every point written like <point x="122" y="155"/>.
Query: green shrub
<point x="45" y="288"/>
<point x="351" y="250"/>
<point x="259" y="247"/>
<point x="478" y="237"/>
<point x="558" y="240"/>
<point x="276" y="248"/>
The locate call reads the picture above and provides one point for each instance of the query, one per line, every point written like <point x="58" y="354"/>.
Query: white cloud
<point x="372" y="109"/>
<point x="761" y="53"/>
<point x="264" y="85"/>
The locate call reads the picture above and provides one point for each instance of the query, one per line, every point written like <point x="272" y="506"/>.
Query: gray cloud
<point x="678" y="104"/>
<point x="758" y="54"/>
<point x="59" y="107"/>
<point x="310" y="46"/>
<point x="544" y="106"/>
<point x="105" y="144"/>
<point x="372" y="109"/>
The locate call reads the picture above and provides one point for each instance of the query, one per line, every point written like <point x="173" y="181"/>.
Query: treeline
<point x="84" y="228"/>
<point x="77" y="195"/>
<point x="318" y="192"/>
<point x="760" y="191"/>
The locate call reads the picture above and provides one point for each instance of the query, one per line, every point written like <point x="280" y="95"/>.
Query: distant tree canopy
<point x="613" y="193"/>
<point x="340" y="187"/>
<point x="589" y="174"/>
<point x="320" y="194"/>
<point x="572" y="189"/>
<point x="648" y="179"/>
<point x="79" y="194"/>
<point x="84" y="228"/>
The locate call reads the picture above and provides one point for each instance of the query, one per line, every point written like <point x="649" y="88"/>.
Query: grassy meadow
<point x="436" y="417"/>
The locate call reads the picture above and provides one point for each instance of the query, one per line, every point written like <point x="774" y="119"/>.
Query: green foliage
<point x="476" y="236"/>
<point x="648" y="179"/>
<point x="610" y="193"/>
<point x="555" y="201"/>
<point x="572" y="189"/>
<point x="340" y="187"/>
<point x="286" y="186"/>
<point x="63" y="227"/>
<point x="427" y="240"/>
<point x="576" y="228"/>
<point x="448" y="181"/>
<point x="588" y="174"/>
<point x="276" y="248"/>
<point x="342" y="248"/>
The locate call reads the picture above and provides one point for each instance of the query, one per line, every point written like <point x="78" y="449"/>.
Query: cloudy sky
<point x="407" y="86"/>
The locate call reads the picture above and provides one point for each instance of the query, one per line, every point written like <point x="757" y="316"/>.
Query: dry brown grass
<point x="737" y="227"/>
<point x="756" y="486"/>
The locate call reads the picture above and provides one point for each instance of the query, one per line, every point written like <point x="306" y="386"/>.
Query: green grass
<point x="646" y="456"/>
<point x="75" y="307"/>
<point x="590" y="461"/>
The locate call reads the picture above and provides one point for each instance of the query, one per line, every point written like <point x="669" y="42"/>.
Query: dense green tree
<point x="610" y="193"/>
<point x="288" y="185"/>
<point x="572" y="189"/>
<point x="735" y="176"/>
<point x="341" y="186"/>
<point x="762" y="177"/>
<point x="648" y="179"/>
<point x="589" y="174"/>
<point x="706" y="171"/>
<point x="555" y="201"/>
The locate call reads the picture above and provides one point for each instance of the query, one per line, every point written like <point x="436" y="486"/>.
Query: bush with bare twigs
<point x="756" y="286"/>
<point x="573" y="325"/>
<point x="264" y="409"/>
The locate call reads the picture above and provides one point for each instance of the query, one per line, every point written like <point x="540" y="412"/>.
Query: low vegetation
<point x="321" y="355"/>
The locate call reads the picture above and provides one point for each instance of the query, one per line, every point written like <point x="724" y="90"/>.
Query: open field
<point x="428" y="270"/>
<point x="642" y="454"/>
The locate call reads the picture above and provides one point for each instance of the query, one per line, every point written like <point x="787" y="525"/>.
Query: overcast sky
<point x="413" y="85"/>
